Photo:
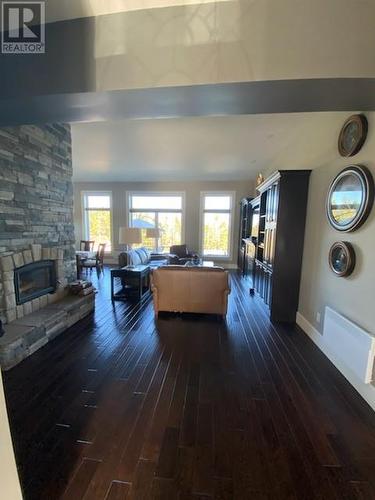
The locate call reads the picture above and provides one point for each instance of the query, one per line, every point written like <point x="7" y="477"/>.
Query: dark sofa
<point x="180" y="254"/>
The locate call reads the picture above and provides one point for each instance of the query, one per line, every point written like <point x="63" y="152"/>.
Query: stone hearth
<point x="25" y="336"/>
<point x="32" y="324"/>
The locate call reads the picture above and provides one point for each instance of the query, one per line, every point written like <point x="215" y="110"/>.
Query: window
<point x="216" y="224"/>
<point x="163" y="211"/>
<point x="97" y="219"/>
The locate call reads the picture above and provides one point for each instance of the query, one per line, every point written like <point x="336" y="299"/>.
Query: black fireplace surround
<point x="34" y="280"/>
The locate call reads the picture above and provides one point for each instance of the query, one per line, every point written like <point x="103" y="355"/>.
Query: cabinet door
<point x="266" y="247"/>
<point x="269" y="247"/>
<point x="259" y="281"/>
<point x="269" y="204"/>
<point x="241" y="259"/>
<point x="270" y="229"/>
<point x="265" y="285"/>
<point x="269" y="288"/>
<point x="275" y="201"/>
<point x="269" y="243"/>
<point x="249" y="214"/>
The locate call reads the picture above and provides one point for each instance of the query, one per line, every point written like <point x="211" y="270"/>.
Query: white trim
<point x="84" y="193"/>
<point x="232" y="195"/>
<point x="367" y="391"/>
<point x="182" y="194"/>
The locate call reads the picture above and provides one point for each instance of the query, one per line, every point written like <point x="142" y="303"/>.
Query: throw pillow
<point x="134" y="258"/>
<point x="142" y="254"/>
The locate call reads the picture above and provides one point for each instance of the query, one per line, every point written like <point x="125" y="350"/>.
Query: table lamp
<point x="154" y="232"/>
<point x="129" y="235"/>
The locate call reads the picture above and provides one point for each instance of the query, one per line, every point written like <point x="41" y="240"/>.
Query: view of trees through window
<point x="216" y="225"/>
<point x="97" y="219"/>
<point x="216" y="234"/>
<point x="157" y="211"/>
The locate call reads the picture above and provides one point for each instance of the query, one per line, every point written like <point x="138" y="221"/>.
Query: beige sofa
<point x="190" y="289"/>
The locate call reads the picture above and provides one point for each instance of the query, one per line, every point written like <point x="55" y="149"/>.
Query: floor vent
<point x="347" y="341"/>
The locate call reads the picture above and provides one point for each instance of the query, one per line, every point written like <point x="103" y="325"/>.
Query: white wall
<point x="192" y="206"/>
<point x="352" y="296"/>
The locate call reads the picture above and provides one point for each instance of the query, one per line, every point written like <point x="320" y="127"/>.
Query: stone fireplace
<point x="37" y="303"/>
<point x="37" y="242"/>
<point x="31" y="279"/>
<point x="34" y="280"/>
<point x="36" y="209"/>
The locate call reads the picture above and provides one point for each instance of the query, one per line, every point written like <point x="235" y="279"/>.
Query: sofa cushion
<point x="148" y="254"/>
<point x="133" y="258"/>
<point x="142" y="255"/>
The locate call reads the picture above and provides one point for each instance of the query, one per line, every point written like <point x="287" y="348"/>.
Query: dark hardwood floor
<point x="187" y="408"/>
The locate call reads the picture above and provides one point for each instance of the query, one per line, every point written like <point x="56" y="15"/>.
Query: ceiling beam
<point x="276" y="96"/>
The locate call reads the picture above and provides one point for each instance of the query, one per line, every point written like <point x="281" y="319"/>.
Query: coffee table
<point x="135" y="282"/>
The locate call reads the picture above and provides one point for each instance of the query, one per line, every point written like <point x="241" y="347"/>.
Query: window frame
<point x="85" y="210"/>
<point x="182" y="194"/>
<point x="231" y="212"/>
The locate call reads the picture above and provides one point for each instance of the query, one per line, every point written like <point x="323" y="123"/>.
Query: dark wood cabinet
<point x="245" y="229"/>
<point x="279" y="249"/>
<point x="250" y="243"/>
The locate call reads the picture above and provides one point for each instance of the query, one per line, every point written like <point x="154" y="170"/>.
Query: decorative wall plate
<point x="342" y="258"/>
<point x="350" y="198"/>
<point x="353" y="135"/>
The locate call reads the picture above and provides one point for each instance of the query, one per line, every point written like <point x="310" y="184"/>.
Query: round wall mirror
<point x="350" y="198"/>
<point x="353" y="135"/>
<point x="342" y="258"/>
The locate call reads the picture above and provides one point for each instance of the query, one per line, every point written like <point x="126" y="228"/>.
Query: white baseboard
<point x="367" y="391"/>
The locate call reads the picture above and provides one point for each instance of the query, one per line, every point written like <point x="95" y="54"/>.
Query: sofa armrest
<point x="229" y="289"/>
<point x="155" y="300"/>
<point x="192" y="255"/>
<point x="123" y="259"/>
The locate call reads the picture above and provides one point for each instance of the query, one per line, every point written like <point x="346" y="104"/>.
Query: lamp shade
<point x="130" y="235"/>
<point x="153" y="232"/>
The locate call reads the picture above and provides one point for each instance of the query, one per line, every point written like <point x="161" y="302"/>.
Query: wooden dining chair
<point x="100" y="256"/>
<point x="87" y="245"/>
<point x="98" y="261"/>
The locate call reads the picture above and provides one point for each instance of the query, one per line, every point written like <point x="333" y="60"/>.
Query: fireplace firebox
<point x="34" y="280"/>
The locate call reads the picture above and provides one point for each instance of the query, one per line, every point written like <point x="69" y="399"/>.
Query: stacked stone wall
<point x="36" y="198"/>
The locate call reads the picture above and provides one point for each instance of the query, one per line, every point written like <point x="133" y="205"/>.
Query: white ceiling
<point x="203" y="148"/>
